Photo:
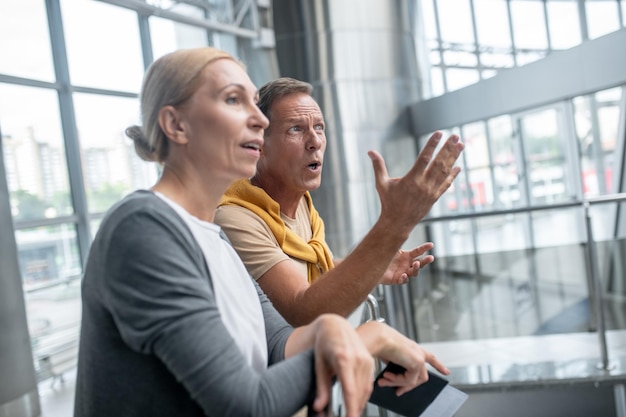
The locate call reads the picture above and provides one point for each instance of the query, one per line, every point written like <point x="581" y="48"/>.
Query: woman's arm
<point x="159" y="293"/>
<point x="339" y="352"/>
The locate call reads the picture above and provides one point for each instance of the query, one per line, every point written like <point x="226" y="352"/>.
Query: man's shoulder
<point x="228" y="214"/>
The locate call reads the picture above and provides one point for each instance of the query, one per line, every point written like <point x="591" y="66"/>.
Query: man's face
<point x="294" y="147"/>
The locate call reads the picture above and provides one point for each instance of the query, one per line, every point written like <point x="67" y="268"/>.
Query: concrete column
<point x="18" y="384"/>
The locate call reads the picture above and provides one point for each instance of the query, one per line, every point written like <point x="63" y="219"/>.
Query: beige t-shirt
<point x="254" y="241"/>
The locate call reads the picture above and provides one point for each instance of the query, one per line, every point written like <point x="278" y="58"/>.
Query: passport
<point x="434" y="398"/>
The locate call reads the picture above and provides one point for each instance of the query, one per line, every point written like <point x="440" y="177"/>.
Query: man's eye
<point x="294" y="129"/>
<point x="319" y="127"/>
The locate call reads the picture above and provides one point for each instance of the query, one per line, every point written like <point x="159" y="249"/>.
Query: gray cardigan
<point x="152" y="341"/>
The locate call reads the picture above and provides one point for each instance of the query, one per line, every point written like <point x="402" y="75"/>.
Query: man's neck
<point x="288" y="201"/>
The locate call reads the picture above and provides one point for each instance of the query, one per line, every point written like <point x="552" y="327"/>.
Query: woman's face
<point x="223" y="125"/>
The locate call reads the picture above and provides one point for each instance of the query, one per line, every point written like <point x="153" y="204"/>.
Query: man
<point x="272" y="223"/>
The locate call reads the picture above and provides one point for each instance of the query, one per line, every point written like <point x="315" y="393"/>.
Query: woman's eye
<point x="232" y="100"/>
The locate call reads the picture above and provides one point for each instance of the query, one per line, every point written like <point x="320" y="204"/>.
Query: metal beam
<point x="149" y="10"/>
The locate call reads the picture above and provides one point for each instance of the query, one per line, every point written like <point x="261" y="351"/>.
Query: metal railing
<point x="596" y="294"/>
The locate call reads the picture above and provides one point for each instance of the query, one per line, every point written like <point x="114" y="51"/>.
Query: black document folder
<point x="434" y="398"/>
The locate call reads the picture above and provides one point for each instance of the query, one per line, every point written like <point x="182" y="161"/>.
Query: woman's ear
<point x="172" y="125"/>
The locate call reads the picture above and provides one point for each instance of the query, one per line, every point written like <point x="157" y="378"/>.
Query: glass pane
<point x="34" y="153"/>
<point x="476" y="153"/>
<point x="101" y="55"/>
<point x="564" y="24"/>
<point x="623" y="4"/>
<point x="568" y="221"/>
<point x="24" y="27"/>
<point x="529" y="29"/>
<point x="111" y="167"/>
<point x="459" y="78"/>
<point x="602" y="17"/>
<point x="455" y="21"/>
<point x="476" y="156"/>
<point x="459" y="58"/>
<point x="435" y="57"/>
<point x="53" y="313"/>
<point x="585" y="135"/>
<point x="47" y="254"/>
<point x="481" y="189"/>
<point x="428" y="19"/>
<point x="597" y="121"/>
<point x="545" y="156"/>
<point x="506" y="176"/>
<point x="167" y="36"/>
<point x="488" y="74"/>
<point x="524" y="58"/>
<point x="452" y="238"/>
<point x="501" y="233"/>
<point x="492" y="24"/>
<point x="497" y="60"/>
<point x="608" y="118"/>
<point x="436" y="80"/>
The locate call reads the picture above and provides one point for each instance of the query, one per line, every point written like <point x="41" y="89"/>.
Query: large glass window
<point x="477" y="161"/>
<point x="168" y="36"/>
<point x="47" y="254"/>
<point x="455" y="22"/>
<point x="110" y="165"/>
<point x="492" y="25"/>
<point x="34" y="153"/>
<point x="545" y="156"/>
<point x="564" y="24"/>
<point x="504" y="33"/>
<point x="597" y="121"/>
<point x="102" y="54"/>
<point x="25" y="40"/>
<point x="602" y="17"/>
<point x="507" y="190"/>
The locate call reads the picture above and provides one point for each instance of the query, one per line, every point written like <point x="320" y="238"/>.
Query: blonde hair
<point x="170" y="81"/>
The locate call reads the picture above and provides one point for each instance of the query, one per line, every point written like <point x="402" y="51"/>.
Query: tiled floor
<point x="57" y="399"/>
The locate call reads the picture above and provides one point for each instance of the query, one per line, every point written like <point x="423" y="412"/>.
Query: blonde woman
<point x="172" y="323"/>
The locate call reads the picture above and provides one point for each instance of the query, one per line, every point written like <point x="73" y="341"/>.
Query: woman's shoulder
<point x="140" y="209"/>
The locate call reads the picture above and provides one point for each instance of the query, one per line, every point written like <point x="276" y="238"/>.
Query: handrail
<point x="609" y="198"/>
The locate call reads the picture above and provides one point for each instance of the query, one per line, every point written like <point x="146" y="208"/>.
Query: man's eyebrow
<point x="293" y="119"/>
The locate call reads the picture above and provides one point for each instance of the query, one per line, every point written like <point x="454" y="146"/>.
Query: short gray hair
<point x="278" y="88"/>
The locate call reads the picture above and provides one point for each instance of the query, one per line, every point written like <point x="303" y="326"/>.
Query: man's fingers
<point x="442" y="165"/>
<point x="425" y="155"/>
<point x="419" y="250"/>
<point x="425" y="260"/>
<point x="380" y="169"/>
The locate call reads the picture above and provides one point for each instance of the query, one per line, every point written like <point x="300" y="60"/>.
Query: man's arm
<point x="405" y="201"/>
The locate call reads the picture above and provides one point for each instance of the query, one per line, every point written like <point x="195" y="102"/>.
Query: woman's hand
<point x="389" y="345"/>
<point x="407" y="264"/>
<point x="340" y="352"/>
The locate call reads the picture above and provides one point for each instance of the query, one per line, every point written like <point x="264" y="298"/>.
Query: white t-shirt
<point x="235" y="294"/>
